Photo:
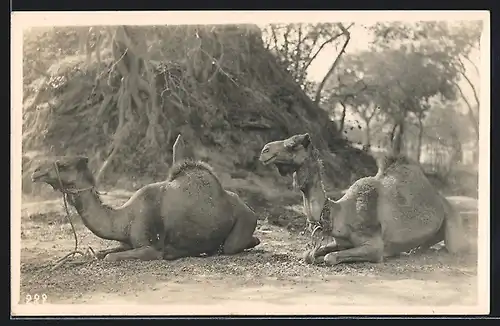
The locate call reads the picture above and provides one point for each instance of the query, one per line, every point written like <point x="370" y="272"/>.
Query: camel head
<point x="287" y="155"/>
<point x="72" y="171"/>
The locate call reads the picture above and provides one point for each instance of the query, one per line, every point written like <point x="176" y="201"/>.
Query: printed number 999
<point x="36" y="298"/>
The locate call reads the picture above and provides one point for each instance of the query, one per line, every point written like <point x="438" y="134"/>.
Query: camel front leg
<point x="142" y="253"/>
<point x="241" y="236"/>
<point x="312" y="255"/>
<point x="172" y="253"/>
<point x="365" y="253"/>
<point x="103" y="253"/>
<point x="424" y="247"/>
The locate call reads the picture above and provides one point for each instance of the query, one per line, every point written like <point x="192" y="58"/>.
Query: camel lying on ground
<point x="189" y="214"/>
<point x="395" y="211"/>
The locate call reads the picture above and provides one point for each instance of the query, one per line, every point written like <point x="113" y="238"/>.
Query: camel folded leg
<point x="365" y="253"/>
<point x="310" y="256"/>
<point x="365" y="233"/>
<point x="439" y="236"/>
<point x="254" y="241"/>
<point x="103" y="253"/>
<point x="241" y="237"/>
<point x="142" y="253"/>
<point x="172" y="253"/>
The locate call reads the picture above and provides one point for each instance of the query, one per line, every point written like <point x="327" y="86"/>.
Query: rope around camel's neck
<point x="317" y="205"/>
<point x="66" y="193"/>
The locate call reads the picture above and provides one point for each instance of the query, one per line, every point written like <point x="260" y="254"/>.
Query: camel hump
<point x="186" y="167"/>
<point x="386" y="162"/>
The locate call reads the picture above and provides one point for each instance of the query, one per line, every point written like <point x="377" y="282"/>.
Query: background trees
<point x="410" y="75"/>
<point x="125" y="92"/>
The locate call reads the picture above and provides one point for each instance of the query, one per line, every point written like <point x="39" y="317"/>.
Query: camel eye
<point x="265" y="150"/>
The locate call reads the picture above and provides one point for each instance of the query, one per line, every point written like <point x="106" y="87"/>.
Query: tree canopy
<point x="407" y="68"/>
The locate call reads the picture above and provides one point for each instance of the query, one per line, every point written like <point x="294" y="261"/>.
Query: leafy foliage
<point x="297" y="45"/>
<point x="408" y="67"/>
<point x="450" y="43"/>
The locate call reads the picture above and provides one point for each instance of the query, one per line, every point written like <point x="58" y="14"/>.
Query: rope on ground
<point x="64" y="259"/>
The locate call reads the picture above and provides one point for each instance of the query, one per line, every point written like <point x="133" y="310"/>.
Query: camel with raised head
<point x="395" y="211"/>
<point x="189" y="214"/>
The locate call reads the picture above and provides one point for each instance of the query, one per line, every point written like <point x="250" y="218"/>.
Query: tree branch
<point x="275" y="37"/>
<point x="342" y="118"/>
<point x="474" y="92"/>
<point x="297" y="57"/>
<point x="470" y="111"/>
<point x="313" y="44"/>
<point x="285" y="38"/>
<point x="330" y="40"/>
<point x="335" y="63"/>
<point x="373" y="112"/>
<point x="411" y="99"/>
<point x="472" y="63"/>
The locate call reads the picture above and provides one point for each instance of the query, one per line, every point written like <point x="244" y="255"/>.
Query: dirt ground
<point x="273" y="272"/>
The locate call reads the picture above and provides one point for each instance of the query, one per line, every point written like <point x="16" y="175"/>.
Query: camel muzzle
<point x="266" y="161"/>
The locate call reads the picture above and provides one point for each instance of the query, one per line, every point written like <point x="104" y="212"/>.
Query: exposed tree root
<point x="123" y="104"/>
<point x="137" y="92"/>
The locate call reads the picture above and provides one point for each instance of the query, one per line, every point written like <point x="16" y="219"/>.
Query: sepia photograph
<point x="250" y="163"/>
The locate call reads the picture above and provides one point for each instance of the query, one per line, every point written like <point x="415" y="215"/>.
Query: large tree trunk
<point x="457" y="149"/>
<point x="367" y="144"/>
<point x="419" y="139"/>
<point x="397" y="140"/>
<point x="342" y="117"/>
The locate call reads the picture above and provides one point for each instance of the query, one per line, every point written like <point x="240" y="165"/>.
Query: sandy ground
<point x="271" y="273"/>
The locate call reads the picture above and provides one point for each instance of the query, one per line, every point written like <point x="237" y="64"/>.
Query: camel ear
<point x="306" y="140"/>
<point x="294" y="141"/>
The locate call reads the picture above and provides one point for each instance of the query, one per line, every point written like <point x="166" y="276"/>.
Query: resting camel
<point x="189" y="214"/>
<point x="395" y="211"/>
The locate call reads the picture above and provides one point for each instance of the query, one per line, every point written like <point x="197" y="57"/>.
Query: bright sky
<point x="360" y="39"/>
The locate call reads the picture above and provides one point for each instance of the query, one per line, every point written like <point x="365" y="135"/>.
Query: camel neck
<point x="104" y="221"/>
<point x="311" y="187"/>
